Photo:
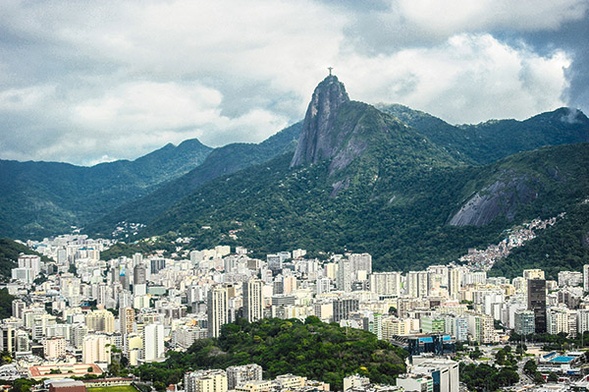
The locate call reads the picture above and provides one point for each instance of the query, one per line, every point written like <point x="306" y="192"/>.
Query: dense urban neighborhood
<point x="78" y="316"/>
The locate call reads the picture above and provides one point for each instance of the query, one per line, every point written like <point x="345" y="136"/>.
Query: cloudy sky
<point x="91" y="81"/>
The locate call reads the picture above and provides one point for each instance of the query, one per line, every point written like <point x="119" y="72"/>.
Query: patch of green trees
<point x="312" y="349"/>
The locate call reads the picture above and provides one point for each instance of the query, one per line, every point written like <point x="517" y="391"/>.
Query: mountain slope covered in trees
<point x="221" y="161"/>
<point x="361" y="180"/>
<point x="403" y="221"/>
<point x="496" y="139"/>
<point x="47" y="198"/>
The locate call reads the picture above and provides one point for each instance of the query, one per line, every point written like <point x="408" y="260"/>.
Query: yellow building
<point x="54" y="348"/>
<point x="100" y="320"/>
<point x="255" y="386"/>
<point x="214" y="380"/>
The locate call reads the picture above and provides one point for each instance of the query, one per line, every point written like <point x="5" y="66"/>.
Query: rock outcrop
<point x="499" y="199"/>
<point x="318" y="138"/>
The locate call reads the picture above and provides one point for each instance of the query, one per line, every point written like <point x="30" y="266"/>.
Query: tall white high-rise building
<point x="31" y="262"/>
<point x="586" y="277"/>
<point x="96" y="348"/>
<point x="217" y="310"/>
<point x="417" y="284"/>
<point x="361" y="264"/>
<point x="454" y="282"/>
<point x="582" y="320"/>
<point x="561" y="319"/>
<point x="18" y="307"/>
<point x="386" y="283"/>
<point x="23" y="275"/>
<point x="345" y="275"/>
<point x="253" y="300"/>
<point x="322" y="285"/>
<point x="153" y="342"/>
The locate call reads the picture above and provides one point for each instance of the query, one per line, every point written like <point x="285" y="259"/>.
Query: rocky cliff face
<point x="500" y="198"/>
<point x="359" y="142"/>
<point x="318" y="138"/>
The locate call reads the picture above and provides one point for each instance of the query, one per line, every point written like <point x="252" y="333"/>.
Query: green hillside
<point x="497" y="139"/>
<point x="316" y="350"/>
<point x="47" y="198"/>
<point x="562" y="247"/>
<point x="560" y="176"/>
<point x="221" y="161"/>
<point x="400" y="216"/>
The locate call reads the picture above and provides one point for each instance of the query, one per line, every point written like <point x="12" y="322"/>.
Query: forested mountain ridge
<point x="221" y="161"/>
<point x="400" y="184"/>
<point x="496" y="139"/>
<point x="397" y="195"/>
<point x="47" y="198"/>
<point x="402" y="221"/>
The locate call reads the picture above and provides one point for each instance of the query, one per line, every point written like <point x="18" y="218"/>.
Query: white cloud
<point x="19" y="99"/>
<point x="149" y="107"/>
<point x="412" y="23"/>
<point x="469" y="78"/>
<point x="164" y="109"/>
<point x="84" y="81"/>
<point x="454" y="16"/>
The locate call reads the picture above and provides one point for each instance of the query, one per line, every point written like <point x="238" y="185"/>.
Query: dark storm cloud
<point x="572" y="37"/>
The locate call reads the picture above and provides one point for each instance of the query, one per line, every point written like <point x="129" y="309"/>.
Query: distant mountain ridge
<point x="398" y="183"/>
<point x="221" y="161"/>
<point x="46" y="198"/>
<point x="496" y="139"/>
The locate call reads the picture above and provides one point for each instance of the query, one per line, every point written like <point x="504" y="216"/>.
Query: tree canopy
<point x="312" y="349"/>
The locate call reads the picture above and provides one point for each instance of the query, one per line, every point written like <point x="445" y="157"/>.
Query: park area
<point x="116" y="388"/>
